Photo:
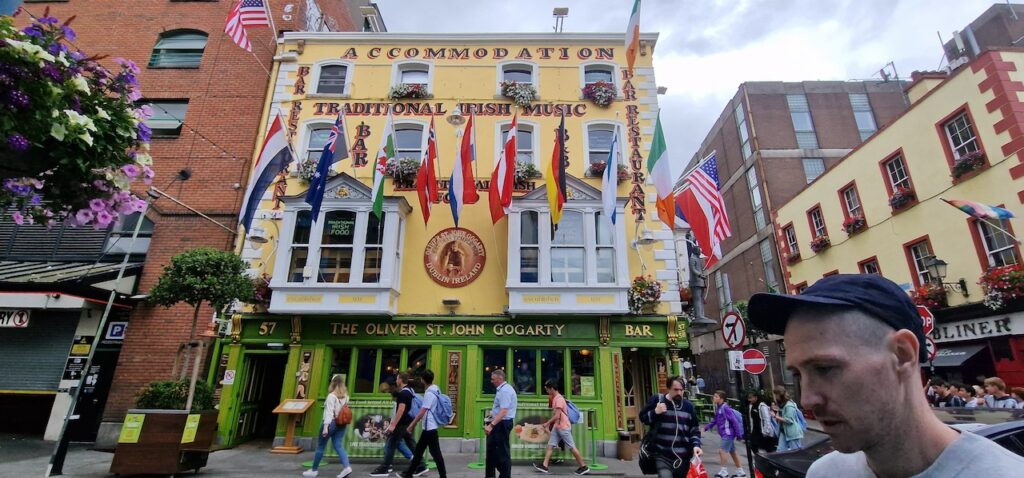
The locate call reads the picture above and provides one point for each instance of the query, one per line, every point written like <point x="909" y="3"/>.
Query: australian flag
<point x="318" y="185"/>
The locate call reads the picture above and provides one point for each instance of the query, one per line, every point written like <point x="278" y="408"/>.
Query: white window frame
<point x="818" y="222"/>
<point x="423" y="125"/>
<point x="802" y="108"/>
<point x="615" y="74"/>
<point x="534" y="146"/>
<point x="791" y="240"/>
<point x="874" y="263"/>
<point x="919" y="265"/>
<point x="545" y="247"/>
<point x="891" y="173"/>
<point x="970" y="126"/>
<point x="534" y="74"/>
<point x="314" y="84"/>
<point x="984" y="230"/>
<point x="306" y="133"/>
<point x="850" y="196"/>
<point x="399" y="66"/>
<point x="586" y="139"/>
<point x="864" y="133"/>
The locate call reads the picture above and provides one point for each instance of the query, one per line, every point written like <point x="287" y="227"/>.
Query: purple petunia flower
<point x="51" y="71"/>
<point x="130" y="65"/>
<point x="68" y="33"/>
<point x="77" y="55"/>
<point x="18" y="99"/>
<point x="36" y="200"/>
<point x="98" y="205"/>
<point x="33" y="31"/>
<point x="76" y="104"/>
<point x="17" y="143"/>
<point x="48" y="20"/>
<point x="18" y="218"/>
<point x="83" y="217"/>
<point x="145" y="133"/>
<point x="103" y="219"/>
<point x="130" y="170"/>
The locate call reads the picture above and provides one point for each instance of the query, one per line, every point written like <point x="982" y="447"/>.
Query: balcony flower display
<point x="596" y="170"/>
<point x="407" y="90"/>
<point x="820" y="243"/>
<point x="853" y="224"/>
<point x="644" y="294"/>
<point x="794" y="257"/>
<point x="972" y="161"/>
<point x="525" y="170"/>
<point x="1002" y="284"/>
<point x="932" y="296"/>
<point x="601" y="93"/>
<point x="402" y="170"/>
<point x="522" y="94"/>
<point x="901" y="197"/>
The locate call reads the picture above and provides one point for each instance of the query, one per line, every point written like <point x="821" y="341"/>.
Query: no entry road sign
<point x="734" y="330"/>
<point x="754" y="361"/>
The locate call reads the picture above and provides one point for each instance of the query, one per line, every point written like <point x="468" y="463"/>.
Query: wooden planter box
<point x="159" y="449"/>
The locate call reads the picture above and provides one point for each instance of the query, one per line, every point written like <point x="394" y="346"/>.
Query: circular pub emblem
<point x="454" y="257"/>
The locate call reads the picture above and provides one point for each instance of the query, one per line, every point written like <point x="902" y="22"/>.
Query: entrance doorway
<point x="93" y="397"/>
<point x="264" y="377"/>
<point x="638" y="383"/>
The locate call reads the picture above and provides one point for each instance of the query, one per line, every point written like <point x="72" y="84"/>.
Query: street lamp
<point x="937" y="271"/>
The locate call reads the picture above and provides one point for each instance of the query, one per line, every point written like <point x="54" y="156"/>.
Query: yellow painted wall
<point x="946" y="226"/>
<point x="470" y="81"/>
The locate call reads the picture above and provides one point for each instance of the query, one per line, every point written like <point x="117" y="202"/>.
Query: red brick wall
<point x="226" y="95"/>
<point x="833" y="120"/>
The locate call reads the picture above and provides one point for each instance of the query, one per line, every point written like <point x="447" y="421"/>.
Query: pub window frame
<point x="347" y="86"/>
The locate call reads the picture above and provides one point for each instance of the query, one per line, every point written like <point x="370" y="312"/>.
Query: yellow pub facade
<point x="370" y="297"/>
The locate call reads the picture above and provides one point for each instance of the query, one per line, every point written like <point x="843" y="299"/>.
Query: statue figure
<point x="698" y="282"/>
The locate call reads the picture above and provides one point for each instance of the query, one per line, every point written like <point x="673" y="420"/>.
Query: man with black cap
<point x="846" y="335"/>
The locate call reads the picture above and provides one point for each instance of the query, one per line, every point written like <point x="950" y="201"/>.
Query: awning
<point x="954" y="356"/>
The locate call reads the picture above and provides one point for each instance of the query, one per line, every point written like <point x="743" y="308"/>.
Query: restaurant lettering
<point x="636" y="161"/>
<point x="979" y="328"/>
<point x="480" y="53"/>
<point x="425" y="109"/>
<point x="447" y="330"/>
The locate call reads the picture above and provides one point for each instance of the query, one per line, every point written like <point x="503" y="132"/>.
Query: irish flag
<point x="633" y="35"/>
<point x="661" y="175"/>
<point x="386" y="152"/>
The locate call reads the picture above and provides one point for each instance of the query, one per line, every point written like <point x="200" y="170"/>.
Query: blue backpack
<point x="443" y="413"/>
<point x="800" y="419"/>
<point x="739" y="419"/>
<point x="573" y="413"/>
<point x="417" y="403"/>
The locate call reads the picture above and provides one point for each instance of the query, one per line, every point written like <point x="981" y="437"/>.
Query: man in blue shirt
<point x="499" y="426"/>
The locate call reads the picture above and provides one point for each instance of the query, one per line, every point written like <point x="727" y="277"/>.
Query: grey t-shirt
<point x="969" y="455"/>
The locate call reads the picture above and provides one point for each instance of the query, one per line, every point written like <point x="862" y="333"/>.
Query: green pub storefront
<point x="607" y="365"/>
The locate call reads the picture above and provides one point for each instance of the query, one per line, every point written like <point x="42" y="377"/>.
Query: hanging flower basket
<point x="901" y="197"/>
<point x="525" y="170"/>
<point x="1002" y="284"/>
<point x="644" y="294"/>
<point x="596" y="170"/>
<point x="306" y="169"/>
<point x="72" y="137"/>
<point x="522" y="94"/>
<point x="601" y="93"/>
<point x="854" y="224"/>
<point x="262" y="292"/>
<point x="820" y="243"/>
<point x="793" y="258"/>
<point x="402" y="171"/>
<point x="931" y="296"/>
<point x="972" y="161"/>
<point x="408" y="90"/>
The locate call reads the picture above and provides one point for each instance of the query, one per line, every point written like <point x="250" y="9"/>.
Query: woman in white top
<point x="337" y="398"/>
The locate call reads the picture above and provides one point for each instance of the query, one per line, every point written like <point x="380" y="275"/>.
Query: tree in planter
<point x="202" y="276"/>
<point x="173" y="395"/>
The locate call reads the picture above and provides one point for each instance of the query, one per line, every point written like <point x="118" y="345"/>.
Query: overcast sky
<point x="708" y="47"/>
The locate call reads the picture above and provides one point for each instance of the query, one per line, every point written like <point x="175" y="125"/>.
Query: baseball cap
<point x="872" y="294"/>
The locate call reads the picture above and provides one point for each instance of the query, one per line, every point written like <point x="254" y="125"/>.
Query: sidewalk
<point x="28" y="458"/>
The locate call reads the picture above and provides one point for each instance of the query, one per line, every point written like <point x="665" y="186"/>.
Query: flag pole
<point x="1004" y="231"/>
<point x="270" y="16"/>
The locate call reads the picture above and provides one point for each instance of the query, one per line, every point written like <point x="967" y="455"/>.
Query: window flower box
<point x="967" y="163"/>
<point x="403" y="171"/>
<point x="854" y="224"/>
<point x="644" y="294"/>
<point x="820" y="243"/>
<point x="522" y="94"/>
<point x="793" y="258"/>
<point x="1002" y="284"/>
<point x="596" y="170"/>
<point x="932" y="296"/>
<point x="408" y="90"/>
<point x="525" y="171"/>
<point x="901" y="197"/>
<point x="601" y="93"/>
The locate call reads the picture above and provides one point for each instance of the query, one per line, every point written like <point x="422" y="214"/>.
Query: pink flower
<point x="98" y="205"/>
<point x="140" y="205"/>
<point x="84" y="216"/>
<point x="18" y="218"/>
<point x="148" y="172"/>
<point x="103" y="219"/>
<point x="130" y="170"/>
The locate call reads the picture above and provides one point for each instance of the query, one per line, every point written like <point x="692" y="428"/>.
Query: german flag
<point x="555" y="181"/>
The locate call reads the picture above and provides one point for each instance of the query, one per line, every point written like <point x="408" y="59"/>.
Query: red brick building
<point x="772" y="139"/>
<point x="208" y="95"/>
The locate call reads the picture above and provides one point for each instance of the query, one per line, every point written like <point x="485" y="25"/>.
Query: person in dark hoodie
<point x="673" y="420"/>
<point x="730" y="428"/>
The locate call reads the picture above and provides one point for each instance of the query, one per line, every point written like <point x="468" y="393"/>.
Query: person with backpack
<point x="560" y="425"/>
<point x="408" y="406"/>
<point x="760" y="423"/>
<point x="730" y="427"/>
<point x="790" y="419"/>
<point x="428" y="438"/>
<point x="675" y="432"/>
<point x="335" y="411"/>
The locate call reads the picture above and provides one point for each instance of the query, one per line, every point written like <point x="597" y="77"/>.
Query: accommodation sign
<point x="454" y="257"/>
<point x="480" y="53"/>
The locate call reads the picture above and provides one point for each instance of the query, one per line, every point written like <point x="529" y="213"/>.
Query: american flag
<point x="247" y="13"/>
<point x="704" y="182"/>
